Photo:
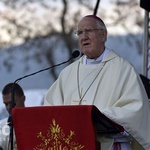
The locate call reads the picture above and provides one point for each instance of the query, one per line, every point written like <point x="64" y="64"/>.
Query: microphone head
<point x="75" y="54"/>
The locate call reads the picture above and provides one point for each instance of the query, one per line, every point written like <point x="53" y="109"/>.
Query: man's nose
<point x="84" y="36"/>
<point x="8" y="107"/>
<point x="85" y="33"/>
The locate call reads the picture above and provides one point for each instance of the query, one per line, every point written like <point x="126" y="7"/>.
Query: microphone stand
<point x="75" y="54"/>
<point x="10" y="116"/>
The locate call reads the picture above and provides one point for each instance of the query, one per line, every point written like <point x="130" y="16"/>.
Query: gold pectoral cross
<point x="80" y="97"/>
<point x="78" y="101"/>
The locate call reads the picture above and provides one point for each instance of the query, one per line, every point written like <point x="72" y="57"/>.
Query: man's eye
<point x="80" y="32"/>
<point x="88" y="30"/>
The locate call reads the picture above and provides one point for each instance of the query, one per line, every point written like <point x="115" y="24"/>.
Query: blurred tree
<point x="34" y="21"/>
<point x="128" y="15"/>
<point x="43" y="25"/>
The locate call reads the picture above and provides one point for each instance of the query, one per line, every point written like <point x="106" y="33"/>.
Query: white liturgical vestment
<point x="115" y="88"/>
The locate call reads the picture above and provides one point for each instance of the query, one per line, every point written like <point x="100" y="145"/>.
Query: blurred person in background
<point x="19" y="99"/>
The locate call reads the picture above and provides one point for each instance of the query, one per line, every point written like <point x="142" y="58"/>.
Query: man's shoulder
<point x="4" y="133"/>
<point x="71" y="66"/>
<point x="112" y="55"/>
<point x="3" y="121"/>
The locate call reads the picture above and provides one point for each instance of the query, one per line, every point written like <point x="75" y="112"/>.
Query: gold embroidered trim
<point x="56" y="139"/>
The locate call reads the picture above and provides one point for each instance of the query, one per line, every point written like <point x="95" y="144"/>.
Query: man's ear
<point x="104" y="33"/>
<point x="23" y="97"/>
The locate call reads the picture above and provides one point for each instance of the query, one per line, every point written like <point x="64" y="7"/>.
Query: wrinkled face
<point x="91" y="42"/>
<point x="19" y="101"/>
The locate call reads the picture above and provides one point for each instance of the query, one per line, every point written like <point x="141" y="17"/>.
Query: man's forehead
<point x="90" y="20"/>
<point x="87" y="21"/>
<point x="7" y="97"/>
<point x="95" y="17"/>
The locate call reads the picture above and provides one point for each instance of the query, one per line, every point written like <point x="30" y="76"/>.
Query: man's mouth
<point x="85" y="44"/>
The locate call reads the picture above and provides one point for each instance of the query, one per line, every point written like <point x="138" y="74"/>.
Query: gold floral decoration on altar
<point x="56" y="139"/>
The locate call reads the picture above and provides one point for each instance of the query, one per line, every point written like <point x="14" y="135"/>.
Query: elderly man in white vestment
<point x="104" y="79"/>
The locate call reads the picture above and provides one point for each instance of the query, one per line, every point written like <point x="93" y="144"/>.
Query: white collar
<point x="87" y="61"/>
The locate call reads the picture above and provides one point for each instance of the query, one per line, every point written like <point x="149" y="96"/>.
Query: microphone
<point x="75" y="54"/>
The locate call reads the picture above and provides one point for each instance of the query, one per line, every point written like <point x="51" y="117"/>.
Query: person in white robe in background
<point x="104" y="79"/>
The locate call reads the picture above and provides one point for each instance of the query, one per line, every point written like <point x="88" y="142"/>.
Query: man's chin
<point x="86" y="52"/>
